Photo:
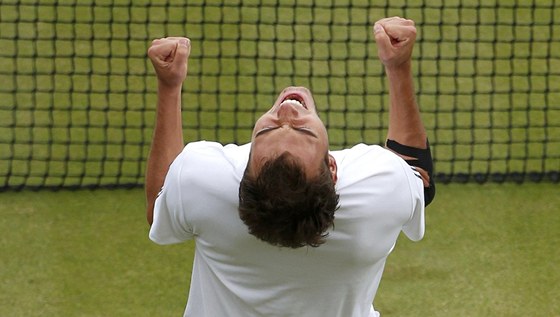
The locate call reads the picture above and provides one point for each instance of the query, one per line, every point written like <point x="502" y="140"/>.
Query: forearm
<point x="405" y="123"/>
<point x="167" y="142"/>
<point x="407" y="136"/>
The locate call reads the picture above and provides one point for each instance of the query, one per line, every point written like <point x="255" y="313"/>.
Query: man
<point x="282" y="225"/>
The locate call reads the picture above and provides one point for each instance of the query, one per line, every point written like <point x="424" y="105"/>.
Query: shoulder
<point x="209" y="153"/>
<point x="358" y="150"/>
<point x="204" y="162"/>
<point x="363" y="155"/>
<point x="215" y="148"/>
<point x="372" y="164"/>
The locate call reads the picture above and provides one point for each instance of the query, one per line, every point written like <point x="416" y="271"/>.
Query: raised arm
<point x="169" y="57"/>
<point x="406" y="135"/>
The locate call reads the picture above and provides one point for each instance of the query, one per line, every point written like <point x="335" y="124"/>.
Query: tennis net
<point x="78" y="94"/>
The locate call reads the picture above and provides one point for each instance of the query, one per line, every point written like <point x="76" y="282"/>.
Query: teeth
<point x="294" y="102"/>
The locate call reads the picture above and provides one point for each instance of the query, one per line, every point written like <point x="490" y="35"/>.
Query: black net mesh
<point x="77" y="92"/>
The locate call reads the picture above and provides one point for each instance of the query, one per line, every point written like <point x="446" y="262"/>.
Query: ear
<point x="333" y="168"/>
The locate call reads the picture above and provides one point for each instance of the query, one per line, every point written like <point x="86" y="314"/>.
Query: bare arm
<point x="406" y="135"/>
<point x="395" y="39"/>
<point x="169" y="57"/>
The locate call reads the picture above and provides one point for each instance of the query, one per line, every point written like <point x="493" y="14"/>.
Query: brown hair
<point x="284" y="208"/>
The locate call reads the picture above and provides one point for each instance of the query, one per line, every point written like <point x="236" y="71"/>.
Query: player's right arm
<point x="169" y="56"/>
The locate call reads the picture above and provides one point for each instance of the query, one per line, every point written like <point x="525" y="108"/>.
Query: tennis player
<point x="282" y="225"/>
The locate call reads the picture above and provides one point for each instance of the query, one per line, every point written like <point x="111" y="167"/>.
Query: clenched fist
<point x="395" y="39"/>
<point x="169" y="57"/>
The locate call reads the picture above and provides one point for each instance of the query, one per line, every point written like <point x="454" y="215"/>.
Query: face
<point x="292" y="124"/>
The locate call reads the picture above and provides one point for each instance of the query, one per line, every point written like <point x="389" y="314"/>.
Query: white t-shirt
<point x="235" y="274"/>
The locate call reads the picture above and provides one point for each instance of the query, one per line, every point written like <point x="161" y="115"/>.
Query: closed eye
<point x="307" y="131"/>
<point x="303" y="130"/>
<point x="265" y="130"/>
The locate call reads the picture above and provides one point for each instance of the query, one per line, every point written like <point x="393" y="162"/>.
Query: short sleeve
<point x="415" y="226"/>
<point x="375" y="176"/>
<point x="170" y="225"/>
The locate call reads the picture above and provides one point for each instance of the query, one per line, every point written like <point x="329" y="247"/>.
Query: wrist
<point x="399" y="69"/>
<point x="169" y="97"/>
<point x="169" y="88"/>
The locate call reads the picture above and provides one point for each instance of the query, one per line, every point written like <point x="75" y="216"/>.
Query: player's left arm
<point x="406" y="136"/>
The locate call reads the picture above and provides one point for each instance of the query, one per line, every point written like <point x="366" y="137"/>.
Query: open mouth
<point x="294" y="99"/>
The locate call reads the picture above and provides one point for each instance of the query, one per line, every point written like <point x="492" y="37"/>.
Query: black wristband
<point x="420" y="158"/>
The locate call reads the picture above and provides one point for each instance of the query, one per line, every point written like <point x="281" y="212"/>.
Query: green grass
<point x="86" y="253"/>
<point x="489" y="250"/>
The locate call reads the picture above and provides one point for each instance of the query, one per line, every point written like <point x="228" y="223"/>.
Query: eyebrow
<point x="300" y="130"/>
